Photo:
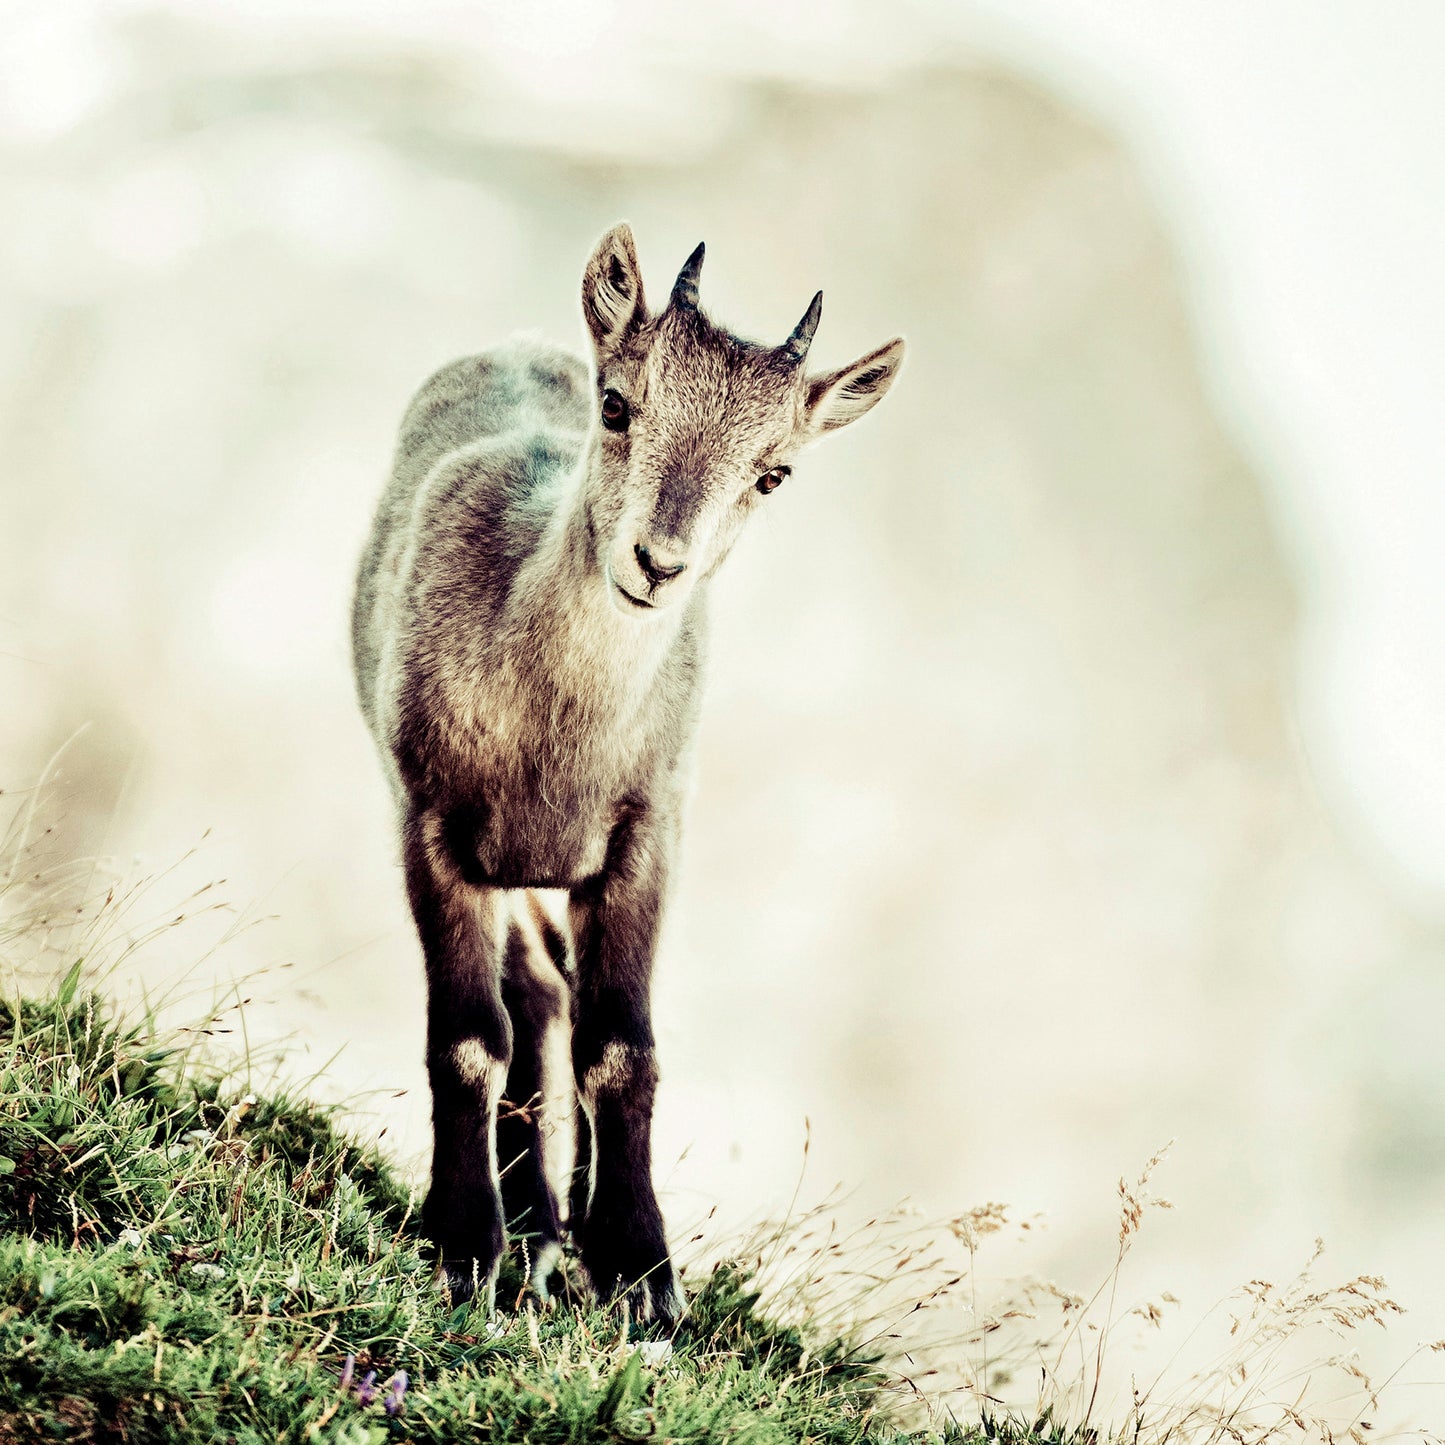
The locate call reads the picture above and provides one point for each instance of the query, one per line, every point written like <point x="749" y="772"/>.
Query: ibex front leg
<point x="615" y="920"/>
<point x="469" y="1045"/>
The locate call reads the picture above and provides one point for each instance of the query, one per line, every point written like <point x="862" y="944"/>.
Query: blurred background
<point x="1071" y="776"/>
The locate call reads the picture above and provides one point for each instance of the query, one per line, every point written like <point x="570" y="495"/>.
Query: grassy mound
<point x="181" y="1264"/>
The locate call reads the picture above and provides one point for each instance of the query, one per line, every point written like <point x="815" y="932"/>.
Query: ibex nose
<point x="654" y="567"/>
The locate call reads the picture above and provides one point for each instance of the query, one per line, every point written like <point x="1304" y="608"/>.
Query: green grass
<point x="180" y="1264"/>
<point x="183" y="1262"/>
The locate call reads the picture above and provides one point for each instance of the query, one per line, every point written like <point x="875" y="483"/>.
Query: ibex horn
<point x="684" y="289"/>
<point x="796" y="346"/>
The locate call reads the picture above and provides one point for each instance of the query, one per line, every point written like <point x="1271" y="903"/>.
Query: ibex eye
<point x="615" y="412"/>
<point x="770" y="481"/>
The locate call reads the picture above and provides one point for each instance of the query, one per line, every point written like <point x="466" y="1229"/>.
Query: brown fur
<point x="528" y="632"/>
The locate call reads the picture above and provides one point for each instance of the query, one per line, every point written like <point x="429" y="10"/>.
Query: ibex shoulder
<point x="523" y="382"/>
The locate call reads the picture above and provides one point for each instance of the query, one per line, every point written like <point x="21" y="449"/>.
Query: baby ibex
<point x="528" y="629"/>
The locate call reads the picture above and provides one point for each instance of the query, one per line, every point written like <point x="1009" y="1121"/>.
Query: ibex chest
<point x="534" y="761"/>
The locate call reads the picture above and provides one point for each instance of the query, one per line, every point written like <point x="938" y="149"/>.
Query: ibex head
<point x="695" y="426"/>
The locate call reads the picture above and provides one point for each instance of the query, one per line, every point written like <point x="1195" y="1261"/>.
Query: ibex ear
<point x="844" y="395"/>
<point x="612" y="300"/>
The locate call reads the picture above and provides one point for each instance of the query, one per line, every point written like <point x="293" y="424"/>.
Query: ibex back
<point x="528" y="631"/>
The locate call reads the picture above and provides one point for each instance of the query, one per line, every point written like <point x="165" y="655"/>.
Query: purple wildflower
<point x="347" y="1371"/>
<point x="395" y="1389"/>
<point x="366" y="1390"/>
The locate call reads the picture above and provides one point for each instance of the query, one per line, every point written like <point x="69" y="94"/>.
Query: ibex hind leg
<point x="537" y="1000"/>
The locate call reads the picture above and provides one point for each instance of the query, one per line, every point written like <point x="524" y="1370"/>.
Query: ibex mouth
<point x="635" y="601"/>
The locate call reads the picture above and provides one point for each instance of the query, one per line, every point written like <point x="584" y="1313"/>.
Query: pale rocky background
<point x="1069" y="778"/>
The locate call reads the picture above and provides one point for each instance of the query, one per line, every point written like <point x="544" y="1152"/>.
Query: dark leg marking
<point x="615" y="919"/>
<point x="469" y="1044"/>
